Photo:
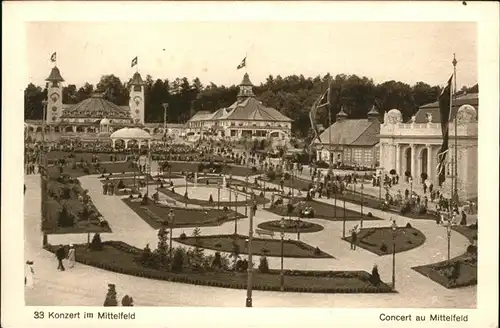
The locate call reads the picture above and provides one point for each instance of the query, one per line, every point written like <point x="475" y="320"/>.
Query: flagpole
<point x="329" y="123"/>
<point x="455" y="195"/>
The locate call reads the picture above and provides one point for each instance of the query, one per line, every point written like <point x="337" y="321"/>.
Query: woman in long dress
<point x="28" y="274"/>
<point x="71" y="256"/>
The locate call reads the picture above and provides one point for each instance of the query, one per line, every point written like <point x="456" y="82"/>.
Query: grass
<point x="380" y="240"/>
<point x="322" y="211"/>
<point x="55" y="200"/>
<point x="122" y="258"/>
<point x="157" y="215"/>
<point x="291" y="227"/>
<point x="470" y="231"/>
<point x="79" y="172"/>
<point x="264" y="247"/>
<point x="102" y="157"/>
<point x="441" y="272"/>
<point x="205" y="203"/>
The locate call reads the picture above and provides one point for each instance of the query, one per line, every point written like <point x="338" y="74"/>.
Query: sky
<point x="211" y="50"/>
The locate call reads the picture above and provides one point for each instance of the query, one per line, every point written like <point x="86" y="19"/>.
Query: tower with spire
<point x="54" y="96"/>
<point x="136" y="101"/>
<point x="246" y="88"/>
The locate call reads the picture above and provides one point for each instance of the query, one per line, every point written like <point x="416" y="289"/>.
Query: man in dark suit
<point x="60" y="254"/>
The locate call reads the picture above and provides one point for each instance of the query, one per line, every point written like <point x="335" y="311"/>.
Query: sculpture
<point x="429" y="117"/>
<point x="413" y="118"/>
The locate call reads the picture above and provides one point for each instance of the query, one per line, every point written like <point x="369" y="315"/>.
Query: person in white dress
<point x="28" y="274"/>
<point x="71" y="256"/>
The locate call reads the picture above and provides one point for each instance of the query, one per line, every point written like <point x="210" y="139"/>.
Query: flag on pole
<point x="242" y="64"/>
<point x="445" y="113"/>
<point x="134" y="62"/>
<point x="53" y="57"/>
<point x="320" y="102"/>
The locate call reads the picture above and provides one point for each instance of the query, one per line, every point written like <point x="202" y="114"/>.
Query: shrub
<point x="178" y="260"/>
<point x="210" y="198"/>
<point x="86" y="170"/>
<point x="186" y="195"/>
<point x="127" y="301"/>
<point x="96" y="244"/>
<point x="182" y="236"/>
<point x="145" y="200"/>
<point x="121" y="185"/>
<point x="263" y="265"/>
<point x="392" y="172"/>
<point x="369" y="215"/>
<point x="408" y="225"/>
<point x="217" y="261"/>
<point x="383" y="248"/>
<point x="254" y="169"/>
<point x="111" y="296"/>
<point x="471" y="249"/>
<point x="271" y="175"/>
<point x="317" y="251"/>
<point x="65" y="219"/>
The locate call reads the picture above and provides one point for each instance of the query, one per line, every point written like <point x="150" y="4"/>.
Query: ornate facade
<point x="247" y="117"/>
<point x="412" y="148"/>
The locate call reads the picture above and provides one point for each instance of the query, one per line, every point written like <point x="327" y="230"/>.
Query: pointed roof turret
<point x="246" y="88"/>
<point x="373" y="114"/>
<point x="137" y="79"/>
<point x="55" y="76"/>
<point x="341" y="115"/>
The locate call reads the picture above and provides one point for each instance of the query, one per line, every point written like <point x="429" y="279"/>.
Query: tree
<point x="162" y="248"/>
<point x="66" y="219"/>
<point x="111" y="296"/>
<point x="114" y="90"/>
<point x="178" y="260"/>
<point x="96" y="244"/>
<point x="263" y="265"/>
<point x="198" y="253"/>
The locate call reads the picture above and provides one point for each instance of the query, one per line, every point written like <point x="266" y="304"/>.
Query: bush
<point x="271" y="175"/>
<point x="145" y="200"/>
<point x="86" y="170"/>
<point x="263" y="265"/>
<point x="317" y="251"/>
<point x="383" y="248"/>
<point x="96" y="244"/>
<point x="217" y="261"/>
<point x="65" y="219"/>
<point x="178" y="260"/>
<point x="182" y="236"/>
<point x="392" y="172"/>
<point x="127" y="301"/>
<point x="111" y="296"/>
<point x="254" y="169"/>
<point x="471" y="249"/>
<point x="121" y="185"/>
<point x="408" y="225"/>
<point x="369" y="215"/>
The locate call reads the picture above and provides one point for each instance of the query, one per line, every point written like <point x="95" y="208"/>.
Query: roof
<point x="433" y="108"/>
<point x="130" y="133"/>
<point x="96" y="107"/>
<point x="253" y="110"/>
<point x="202" y="115"/>
<point x="352" y="132"/>
<point x="246" y="80"/>
<point x="136" y="79"/>
<point x="55" y="75"/>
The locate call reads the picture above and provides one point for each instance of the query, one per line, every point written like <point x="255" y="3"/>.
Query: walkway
<point x="87" y="286"/>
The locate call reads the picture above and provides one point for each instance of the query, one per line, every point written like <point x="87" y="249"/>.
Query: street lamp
<point x="44" y="174"/>
<point x="362" y="187"/>
<point x="394" y="229"/>
<point x="186" y="193"/>
<point x="411" y="186"/>
<point x="282" y="276"/>
<point x="250" y="263"/>
<point x="335" y="198"/>
<point x="171" y="219"/>
<point x="448" y="233"/>
<point x="236" y="214"/>
<point x="246" y="192"/>
<point x="380" y="187"/>
<point x="343" y="225"/>
<point x="264" y="191"/>
<point x="218" y="195"/>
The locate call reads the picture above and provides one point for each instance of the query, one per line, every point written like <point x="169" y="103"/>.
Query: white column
<point x="398" y="160"/>
<point x="429" y="161"/>
<point x="149" y="144"/>
<point x="114" y="143"/>
<point x="126" y="143"/>
<point x="413" y="162"/>
<point x="318" y="155"/>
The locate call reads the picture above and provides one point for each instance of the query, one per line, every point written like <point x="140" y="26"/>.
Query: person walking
<point x="354" y="238"/>
<point x="60" y="255"/>
<point x="463" y="222"/>
<point x="29" y="274"/>
<point x="71" y="256"/>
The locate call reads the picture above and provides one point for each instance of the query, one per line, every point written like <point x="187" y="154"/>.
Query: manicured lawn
<point x="291" y="226"/>
<point x="322" y="211"/>
<point x="122" y="258"/>
<point x="180" y="198"/>
<point x="157" y="215"/>
<point x="265" y="247"/>
<point x="469" y="231"/>
<point x="442" y="272"/>
<point x="380" y="240"/>
<point x="67" y="192"/>
<point x="102" y="157"/>
<point x="118" y="167"/>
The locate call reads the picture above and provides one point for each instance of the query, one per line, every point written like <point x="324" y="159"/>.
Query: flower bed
<point x="157" y="215"/>
<point x="205" y="203"/>
<point x="380" y="240"/>
<point x="460" y="271"/>
<point x="291" y="226"/>
<point x="322" y="211"/>
<point x="122" y="258"/>
<point x="260" y="246"/>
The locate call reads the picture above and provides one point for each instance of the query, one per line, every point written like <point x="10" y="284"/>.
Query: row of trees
<point x="292" y="95"/>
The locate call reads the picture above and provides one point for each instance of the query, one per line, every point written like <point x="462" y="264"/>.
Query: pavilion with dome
<point x="247" y="117"/>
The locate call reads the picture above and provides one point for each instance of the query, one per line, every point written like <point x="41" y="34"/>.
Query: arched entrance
<point x="408" y="161"/>
<point x="68" y="129"/>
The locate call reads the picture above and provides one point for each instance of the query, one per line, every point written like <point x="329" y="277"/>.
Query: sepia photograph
<point x="253" y="163"/>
